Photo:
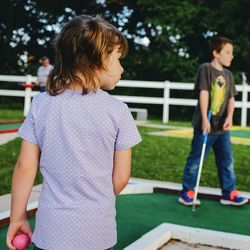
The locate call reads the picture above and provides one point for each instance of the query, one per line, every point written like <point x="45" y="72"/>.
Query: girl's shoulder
<point x="40" y="100"/>
<point x="42" y="96"/>
<point x="111" y="100"/>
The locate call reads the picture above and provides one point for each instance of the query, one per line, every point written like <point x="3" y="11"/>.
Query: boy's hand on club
<point x="228" y="124"/>
<point x="206" y="127"/>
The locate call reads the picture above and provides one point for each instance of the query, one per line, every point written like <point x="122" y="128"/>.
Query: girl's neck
<point x="217" y="65"/>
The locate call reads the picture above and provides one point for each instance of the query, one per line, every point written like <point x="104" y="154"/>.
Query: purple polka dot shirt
<point x="77" y="135"/>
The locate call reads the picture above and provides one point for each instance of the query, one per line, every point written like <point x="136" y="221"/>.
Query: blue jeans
<point x="221" y="145"/>
<point x="42" y="89"/>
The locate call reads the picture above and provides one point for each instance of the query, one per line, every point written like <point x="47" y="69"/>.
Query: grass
<point x="163" y="158"/>
<point x="17" y="113"/>
<point x="9" y="153"/>
<point x="172" y="123"/>
<point x="157" y="158"/>
<point x="10" y="114"/>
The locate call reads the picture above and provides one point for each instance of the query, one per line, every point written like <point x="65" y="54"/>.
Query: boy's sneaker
<point x="233" y="198"/>
<point x="187" y="198"/>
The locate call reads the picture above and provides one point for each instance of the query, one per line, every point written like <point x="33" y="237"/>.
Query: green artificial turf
<point x="240" y="133"/>
<point x="10" y="126"/>
<point x="137" y="214"/>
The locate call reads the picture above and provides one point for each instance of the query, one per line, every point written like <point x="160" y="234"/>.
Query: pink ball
<point x="21" y="241"/>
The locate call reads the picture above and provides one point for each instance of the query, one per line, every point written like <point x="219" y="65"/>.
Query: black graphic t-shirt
<point x="221" y="87"/>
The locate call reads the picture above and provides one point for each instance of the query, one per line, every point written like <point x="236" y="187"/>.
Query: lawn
<point x="163" y="158"/>
<point x="157" y="158"/>
<point x="10" y="114"/>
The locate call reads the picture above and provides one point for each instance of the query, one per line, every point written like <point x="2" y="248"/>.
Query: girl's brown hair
<point x="217" y="43"/>
<point x="81" y="47"/>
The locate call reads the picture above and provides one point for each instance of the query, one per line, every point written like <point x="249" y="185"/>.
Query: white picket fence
<point x="166" y="100"/>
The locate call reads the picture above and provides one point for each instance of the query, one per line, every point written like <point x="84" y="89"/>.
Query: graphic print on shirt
<point x="218" y="92"/>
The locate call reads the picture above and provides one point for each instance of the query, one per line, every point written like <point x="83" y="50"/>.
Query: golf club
<point x="201" y="163"/>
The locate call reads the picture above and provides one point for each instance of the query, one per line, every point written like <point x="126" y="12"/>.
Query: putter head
<point x="193" y="208"/>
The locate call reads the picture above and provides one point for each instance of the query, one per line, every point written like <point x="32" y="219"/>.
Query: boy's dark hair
<point x="81" y="47"/>
<point x="217" y="43"/>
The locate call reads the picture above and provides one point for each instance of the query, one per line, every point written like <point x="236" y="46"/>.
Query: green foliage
<point x="177" y="32"/>
<point x="28" y="28"/>
<point x="167" y="39"/>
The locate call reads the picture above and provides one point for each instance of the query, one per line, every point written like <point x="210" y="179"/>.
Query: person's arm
<point x="122" y="168"/>
<point x="22" y="182"/>
<point x="37" y="83"/>
<point x="230" y="111"/>
<point x="203" y="100"/>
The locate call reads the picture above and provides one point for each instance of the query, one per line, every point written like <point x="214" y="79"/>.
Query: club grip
<point x="206" y="134"/>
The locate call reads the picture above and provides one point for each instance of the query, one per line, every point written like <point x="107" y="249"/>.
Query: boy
<point x="216" y="89"/>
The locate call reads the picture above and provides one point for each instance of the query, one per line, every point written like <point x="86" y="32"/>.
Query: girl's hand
<point x="15" y="228"/>
<point x="206" y="127"/>
<point x="228" y="123"/>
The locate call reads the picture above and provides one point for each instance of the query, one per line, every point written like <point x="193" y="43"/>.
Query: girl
<point x="81" y="139"/>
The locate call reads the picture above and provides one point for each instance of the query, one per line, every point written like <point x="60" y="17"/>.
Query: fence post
<point x="166" y="96"/>
<point x="244" y="101"/>
<point x="27" y="98"/>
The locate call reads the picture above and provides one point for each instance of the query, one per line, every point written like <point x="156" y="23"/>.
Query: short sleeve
<point x="232" y="90"/>
<point x="202" y="79"/>
<point x="27" y="130"/>
<point x="128" y="135"/>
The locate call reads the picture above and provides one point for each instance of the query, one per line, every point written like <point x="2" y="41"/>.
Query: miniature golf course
<point x="139" y="213"/>
<point x="10" y="126"/>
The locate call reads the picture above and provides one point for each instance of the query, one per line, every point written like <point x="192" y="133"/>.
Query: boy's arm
<point x="122" y="168"/>
<point x="230" y="111"/>
<point x="203" y="100"/>
<point x="22" y="182"/>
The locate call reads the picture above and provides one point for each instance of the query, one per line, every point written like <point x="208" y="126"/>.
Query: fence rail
<point x="166" y="100"/>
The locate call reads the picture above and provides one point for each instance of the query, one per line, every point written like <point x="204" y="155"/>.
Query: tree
<point x="28" y="28"/>
<point x="179" y="32"/>
<point x="168" y="39"/>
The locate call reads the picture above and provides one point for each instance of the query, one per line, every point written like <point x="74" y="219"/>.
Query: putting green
<point x="10" y="126"/>
<point x="139" y="213"/>
<point x="238" y="135"/>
